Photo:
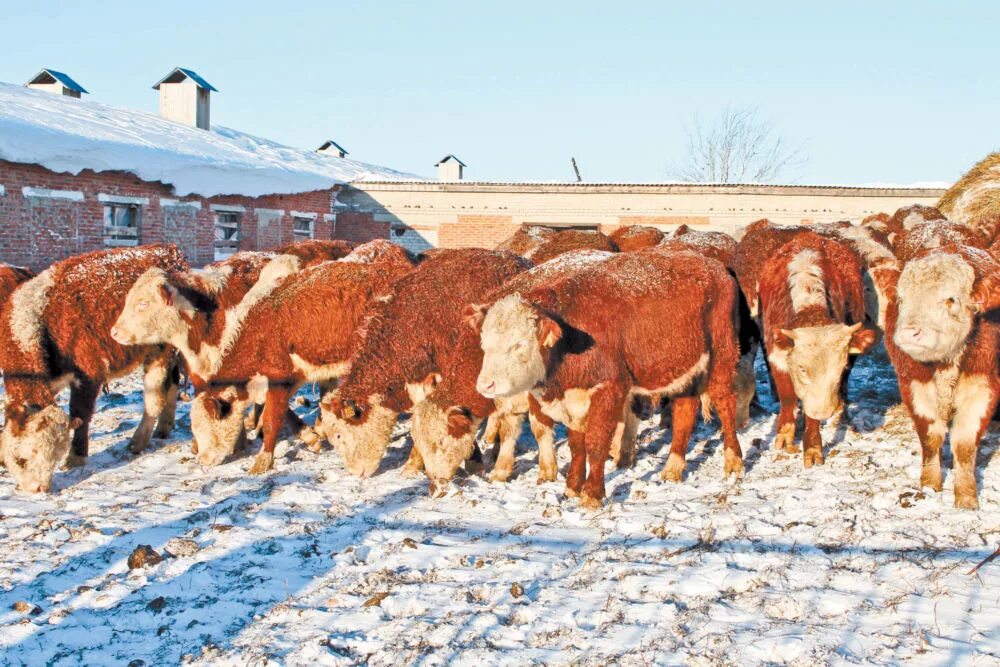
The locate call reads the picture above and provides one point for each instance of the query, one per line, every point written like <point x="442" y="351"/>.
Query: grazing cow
<point x="944" y="347"/>
<point x="55" y="333"/>
<point x="812" y="311"/>
<point x="445" y="424"/>
<point x="975" y="199"/>
<point x="300" y="332"/>
<point x="584" y="346"/>
<point x="406" y="342"/>
<point x="934" y="234"/>
<point x="526" y="239"/>
<point x="571" y="239"/>
<point x="636" y="237"/>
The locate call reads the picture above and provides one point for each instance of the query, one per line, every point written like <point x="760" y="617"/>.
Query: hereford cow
<point x="584" y="346"/>
<point x="571" y="239"/>
<point x="406" y="342"/>
<point x="445" y="424"/>
<point x="314" y="251"/>
<point x="812" y="311"/>
<point x="945" y="350"/>
<point x="55" y="333"/>
<point x="636" y="237"/>
<point x="934" y="234"/>
<point x="526" y="239"/>
<point x="300" y="332"/>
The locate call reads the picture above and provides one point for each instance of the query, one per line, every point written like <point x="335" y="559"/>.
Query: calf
<point x="582" y="347"/>
<point x="444" y="425"/>
<point x="526" y="239"/>
<point x="812" y="311"/>
<point x="571" y="239"/>
<point x="944" y="347"/>
<point x="934" y="234"/>
<point x="407" y="341"/>
<point x="636" y="237"/>
<point x="300" y="332"/>
<point x="54" y="333"/>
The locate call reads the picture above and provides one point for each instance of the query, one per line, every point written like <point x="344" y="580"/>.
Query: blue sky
<point x="888" y="91"/>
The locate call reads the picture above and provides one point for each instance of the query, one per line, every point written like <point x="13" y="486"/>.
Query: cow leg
<point x="252" y="423"/>
<point x="684" y="411"/>
<point x="543" y="428"/>
<point x="975" y="402"/>
<point x="491" y="434"/>
<point x="508" y="428"/>
<point x="606" y="408"/>
<point x="931" y="435"/>
<point x="157" y="382"/>
<point x="415" y="463"/>
<point x="275" y="411"/>
<point x="812" y="444"/>
<point x="625" y="437"/>
<point x="82" y="401"/>
<point x="784" y="439"/>
<point x="577" y="463"/>
<point x="168" y="414"/>
<point x="725" y="404"/>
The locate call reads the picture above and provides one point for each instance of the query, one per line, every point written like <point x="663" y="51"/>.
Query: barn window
<point x="121" y="225"/>
<point x="303" y="228"/>
<point x="227" y="234"/>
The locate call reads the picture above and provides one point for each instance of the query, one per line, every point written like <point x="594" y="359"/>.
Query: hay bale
<point x="975" y="199"/>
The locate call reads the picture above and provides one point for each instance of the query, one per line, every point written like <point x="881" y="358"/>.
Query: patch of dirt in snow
<point x="849" y="562"/>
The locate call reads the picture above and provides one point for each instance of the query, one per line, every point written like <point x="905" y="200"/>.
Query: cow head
<point x="217" y="424"/>
<point x="815" y="359"/>
<point x="152" y="312"/>
<point x="445" y="437"/>
<point x="34" y="442"/>
<point x="359" y="431"/>
<point x="938" y="298"/>
<point x="516" y="338"/>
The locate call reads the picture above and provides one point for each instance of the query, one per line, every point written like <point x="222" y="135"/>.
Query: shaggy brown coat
<point x="636" y="237"/>
<point x="571" y="239"/>
<point x="934" y="234"/>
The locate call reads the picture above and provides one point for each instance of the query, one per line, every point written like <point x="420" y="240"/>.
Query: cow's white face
<point x="35" y="445"/>
<point x="360" y="434"/>
<point x="151" y="314"/>
<point x="217" y="426"/>
<point x="936" y="307"/>
<point x="444" y="439"/>
<point x="513" y="337"/>
<point x="815" y="359"/>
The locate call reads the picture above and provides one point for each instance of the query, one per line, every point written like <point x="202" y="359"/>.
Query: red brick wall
<point x="36" y="231"/>
<point x="360" y="227"/>
<point x="478" y="231"/>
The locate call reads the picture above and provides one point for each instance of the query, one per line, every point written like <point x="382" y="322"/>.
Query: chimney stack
<point x="185" y="98"/>
<point x="52" y="81"/>
<point x="450" y="168"/>
<point x="331" y="147"/>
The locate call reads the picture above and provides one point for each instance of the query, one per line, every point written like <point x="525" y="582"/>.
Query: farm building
<point x="78" y="175"/>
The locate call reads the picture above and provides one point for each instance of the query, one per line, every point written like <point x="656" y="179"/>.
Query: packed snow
<point x="69" y="135"/>
<point x="845" y="563"/>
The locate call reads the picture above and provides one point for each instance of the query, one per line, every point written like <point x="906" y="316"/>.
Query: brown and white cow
<point x="55" y="333"/>
<point x="636" y="237"/>
<point x="584" y="346"/>
<point x="945" y="347"/>
<point x="444" y="425"/>
<point x="407" y="341"/>
<point x="300" y="332"/>
<point x="934" y="234"/>
<point x="812" y="312"/>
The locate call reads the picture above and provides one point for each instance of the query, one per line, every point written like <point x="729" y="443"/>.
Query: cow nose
<point x="114" y="332"/>
<point x="913" y="333"/>
<point x="484" y="388"/>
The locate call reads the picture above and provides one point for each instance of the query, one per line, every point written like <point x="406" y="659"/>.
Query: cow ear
<point x="473" y="316"/>
<point x="784" y="339"/>
<point x="861" y="340"/>
<point x="431" y="381"/>
<point x="349" y="411"/>
<point x="212" y="407"/>
<point x="986" y="295"/>
<point x="549" y="332"/>
<point x="459" y="421"/>
<point x="167" y="292"/>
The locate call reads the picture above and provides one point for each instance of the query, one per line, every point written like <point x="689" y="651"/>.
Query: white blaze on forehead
<point x="805" y="280"/>
<point x="815" y="364"/>
<point x="512" y="357"/>
<point x="938" y="272"/>
<point x="33" y="454"/>
<point x="935" y="298"/>
<point x="510" y="317"/>
<point x="912" y="219"/>
<point x="27" y="306"/>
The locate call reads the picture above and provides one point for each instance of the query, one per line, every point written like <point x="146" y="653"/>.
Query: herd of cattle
<point x="571" y="327"/>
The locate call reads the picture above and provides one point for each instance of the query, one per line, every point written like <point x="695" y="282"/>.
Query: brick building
<point x="77" y="176"/>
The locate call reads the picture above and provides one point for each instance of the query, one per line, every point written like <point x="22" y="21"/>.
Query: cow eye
<point x="950" y="302"/>
<point x="143" y="305"/>
<point x="520" y="345"/>
<point x="21" y="463"/>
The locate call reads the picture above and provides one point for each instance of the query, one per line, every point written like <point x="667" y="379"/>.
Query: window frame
<point x="110" y="238"/>
<point x="297" y="235"/>
<point x="236" y="224"/>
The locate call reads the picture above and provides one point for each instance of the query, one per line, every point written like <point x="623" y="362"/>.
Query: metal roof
<point x="331" y="142"/>
<point x="449" y="156"/>
<point x="185" y="74"/>
<point x="64" y="79"/>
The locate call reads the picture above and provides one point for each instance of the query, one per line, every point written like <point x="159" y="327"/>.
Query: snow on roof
<point x="69" y="135"/>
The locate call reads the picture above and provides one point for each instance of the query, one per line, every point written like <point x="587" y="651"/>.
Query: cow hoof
<point x="262" y="464"/>
<point x="784" y="441"/>
<point x="546" y="475"/>
<point x="930" y="477"/>
<point x="135" y="447"/>
<point x="252" y="434"/>
<point x="500" y="475"/>
<point x="734" y="465"/>
<point x="570" y="493"/>
<point x="194" y="446"/>
<point x="811" y="457"/>
<point x="673" y="471"/>
<point x="410" y="471"/>
<point x="163" y="430"/>
<point x="626" y="461"/>
<point x="311" y="440"/>
<point x="966" y="501"/>
<point x="589" y="503"/>
<point x="75" y="461"/>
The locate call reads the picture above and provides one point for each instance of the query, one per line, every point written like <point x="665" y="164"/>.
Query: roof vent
<point x="52" y="81"/>
<point x="331" y="147"/>
<point x="450" y="168"/>
<point x="185" y="97"/>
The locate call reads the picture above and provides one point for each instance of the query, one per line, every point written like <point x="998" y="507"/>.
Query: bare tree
<point x="738" y="147"/>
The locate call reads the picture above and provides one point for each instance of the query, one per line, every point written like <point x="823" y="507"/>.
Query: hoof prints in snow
<point x="845" y="562"/>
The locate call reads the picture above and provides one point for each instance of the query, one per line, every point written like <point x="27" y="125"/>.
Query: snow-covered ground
<point x="846" y="563"/>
